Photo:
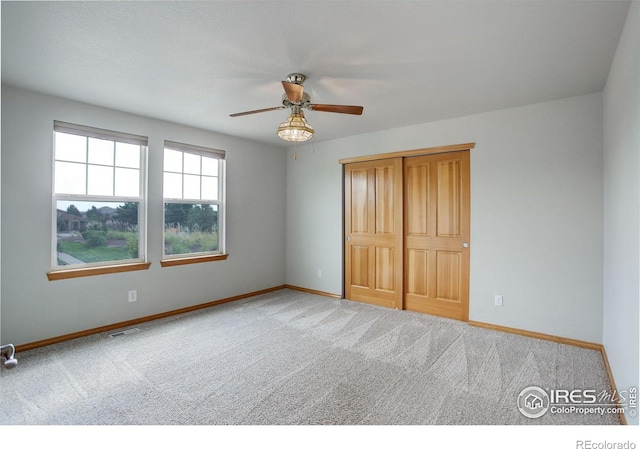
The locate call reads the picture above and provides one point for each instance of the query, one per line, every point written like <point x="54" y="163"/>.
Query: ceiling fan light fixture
<point x="295" y="128"/>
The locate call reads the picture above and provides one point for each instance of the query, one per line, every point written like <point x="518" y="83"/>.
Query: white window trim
<point x="220" y="202"/>
<point x="86" y="131"/>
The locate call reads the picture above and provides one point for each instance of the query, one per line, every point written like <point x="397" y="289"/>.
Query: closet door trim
<point x="409" y="153"/>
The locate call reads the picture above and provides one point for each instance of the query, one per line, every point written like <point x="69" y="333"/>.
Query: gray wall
<point x="34" y="308"/>
<point x="536" y="211"/>
<point x="622" y="206"/>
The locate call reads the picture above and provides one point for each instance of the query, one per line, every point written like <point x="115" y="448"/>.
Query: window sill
<point x="189" y="260"/>
<point x="95" y="271"/>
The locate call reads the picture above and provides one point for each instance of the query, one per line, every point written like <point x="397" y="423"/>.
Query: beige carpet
<point x="288" y="357"/>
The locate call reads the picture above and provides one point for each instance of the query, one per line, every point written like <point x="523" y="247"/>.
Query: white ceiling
<point x="406" y="62"/>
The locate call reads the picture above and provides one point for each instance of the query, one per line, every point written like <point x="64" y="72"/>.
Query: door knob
<point x="465" y="245"/>
<point x="348" y="239"/>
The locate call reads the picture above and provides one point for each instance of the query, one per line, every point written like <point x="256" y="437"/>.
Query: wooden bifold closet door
<point x="407" y="227"/>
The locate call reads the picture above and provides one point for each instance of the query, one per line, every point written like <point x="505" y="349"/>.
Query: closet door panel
<point x="373" y="232"/>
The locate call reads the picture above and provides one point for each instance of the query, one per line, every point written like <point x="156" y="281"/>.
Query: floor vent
<point x="134" y="330"/>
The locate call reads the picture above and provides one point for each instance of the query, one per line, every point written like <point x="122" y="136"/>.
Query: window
<point x="193" y="203"/>
<point x="98" y="197"/>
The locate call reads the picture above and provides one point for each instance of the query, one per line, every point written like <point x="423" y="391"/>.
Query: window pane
<point x="172" y="185"/>
<point x="209" y="166"/>
<point x="209" y="188"/>
<point x="191" y="187"/>
<point x="100" y="151"/>
<point x="172" y="160"/>
<point x="89" y="232"/>
<point x="192" y="163"/>
<point x="127" y="182"/>
<point x="190" y="228"/>
<point x="70" y="178"/>
<point x="127" y="155"/>
<point x="70" y="147"/>
<point x="100" y="180"/>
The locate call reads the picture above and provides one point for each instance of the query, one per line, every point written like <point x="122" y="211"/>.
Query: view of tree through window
<point x="89" y="232"/>
<point x="190" y="228"/>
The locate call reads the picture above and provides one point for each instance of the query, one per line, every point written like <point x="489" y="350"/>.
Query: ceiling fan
<point x="296" y="128"/>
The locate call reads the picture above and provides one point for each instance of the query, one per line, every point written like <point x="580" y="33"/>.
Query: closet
<point x="407" y="229"/>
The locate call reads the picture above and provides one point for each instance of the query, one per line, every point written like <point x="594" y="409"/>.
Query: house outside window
<point x="194" y="202"/>
<point x="99" y="187"/>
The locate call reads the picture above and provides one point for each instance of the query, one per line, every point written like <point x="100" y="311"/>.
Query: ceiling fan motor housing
<point x="304" y="103"/>
<point x="296" y="78"/>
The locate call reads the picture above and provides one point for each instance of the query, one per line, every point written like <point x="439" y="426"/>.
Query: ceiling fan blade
<point x="341" y="109"/>
<point x="294" y="91"/>
<point x="238" y="114"/>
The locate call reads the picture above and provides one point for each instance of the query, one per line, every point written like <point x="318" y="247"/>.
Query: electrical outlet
<point x="319" y="273"/>
<point x="133" y="295"/>
<point x="498" y="300"/>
